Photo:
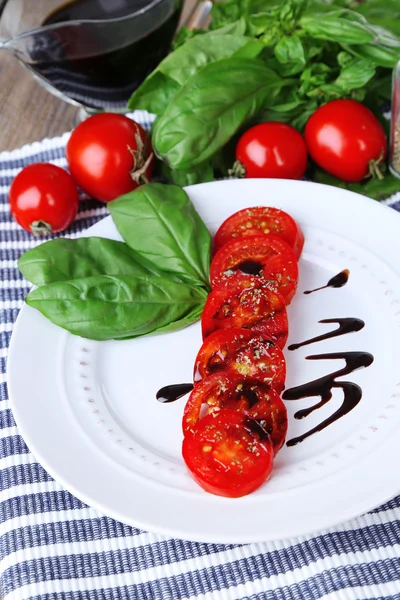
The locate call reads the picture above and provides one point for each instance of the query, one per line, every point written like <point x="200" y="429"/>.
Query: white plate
<point x="88" y="411"/>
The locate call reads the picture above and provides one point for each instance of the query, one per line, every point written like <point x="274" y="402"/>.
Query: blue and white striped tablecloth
<point x="54" y="547"/>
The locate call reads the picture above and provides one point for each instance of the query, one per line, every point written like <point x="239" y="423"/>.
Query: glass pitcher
<point x="91" y="53"/>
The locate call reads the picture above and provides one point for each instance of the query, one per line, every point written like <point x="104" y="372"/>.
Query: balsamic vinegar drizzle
<point x="323" y="386"/>
<point x="337" y="281"/>
<point x="346" y="325"/>
<point x="171" y="393"/>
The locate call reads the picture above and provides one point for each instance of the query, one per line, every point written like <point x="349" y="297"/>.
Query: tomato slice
<point x="248" y="303"/>
<point x="228" y="454"/>
<point x="245" y="352"/>
<point x="233" y="391"/>
<point x="260" y="220"/>
<point x="265" y="256"/>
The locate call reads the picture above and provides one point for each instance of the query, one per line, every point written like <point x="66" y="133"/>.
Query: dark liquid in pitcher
<point x="101" y="66"/>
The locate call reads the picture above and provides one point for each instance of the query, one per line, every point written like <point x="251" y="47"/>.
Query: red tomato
<point x="273" y="150"/>
<point x="43" y="199"/>
<point x="246" y="302"/>
<point x="109" y="155"/>
<point x="228" y="454"/>
<point x="233" y="391"/>
<point x="244" y="352"/>
<point x="346" y="139"/>
<point x="260" y="220"/>
<point x="264" y="255"/>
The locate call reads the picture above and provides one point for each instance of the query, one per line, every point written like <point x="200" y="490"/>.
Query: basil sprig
<point x="156" y="281"/>
<point x="265" y="60"/>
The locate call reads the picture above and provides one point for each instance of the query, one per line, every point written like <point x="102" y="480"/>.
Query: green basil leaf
<point x="184" y="34"/>
<point x="290" y="49"/>
<point x="262" y="22"/>
<point x="199" y="52"/>
<point x="223" y="13"/>
<point x="161" y="224"/>
<point x="291" y="10"/>
<point x="210" y="108"/>
<point x="199" y="174"/>
<point x="300" y="121"/>
<point x="251" y="49"/>
<point x="260" y="6"/>
<point x="237" y="27"/>
<point x="382" y="36"/>
<point x="192" y="317"/>
<point x="63" y="259"/>
<point x="336" y="29"/>
<point x="289" y="52"/>
<point x="115" y="307"/>
<point x="389" y="23"/>
<point x="355" y="75"/>
<point x="379" y="55"/>
<point x="378" y="189"/>
<point x="157" y="91"/>
<point x="344" y="59"/>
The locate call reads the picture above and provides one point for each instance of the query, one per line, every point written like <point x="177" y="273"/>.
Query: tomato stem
<point x="375" y="167"/>
<point x="238" y="170"/>
<point x="41" y="228"/>
<point x="141" y="162"/>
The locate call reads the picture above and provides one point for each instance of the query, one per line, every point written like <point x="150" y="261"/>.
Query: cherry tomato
<point x="346" y="139"/>
<point x="260" y="220"/>
<point x="273" y="150"/>
<point x="244" y="352"/>
<point x="109" y="155"/>
<point x="233" y="391"/>
<point x="43" y="199"/>
<point x="228" y="454"/>
<point x="246" y="302"/>
<point x="263" y="255"/>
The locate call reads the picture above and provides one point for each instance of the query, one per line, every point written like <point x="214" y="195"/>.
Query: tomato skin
<point x="227" y="455"/>
<point x="100" y="154"/>
<point x="259" y="220"/>
<point x="243" y="352"/>
<point x="272" y="150"/>
<point x="43" y="199"/>
<point x="244" y="394"/>
<point x="248" y="303"/>
<point x="275" y="260"/>
<point x="343" y="137"/>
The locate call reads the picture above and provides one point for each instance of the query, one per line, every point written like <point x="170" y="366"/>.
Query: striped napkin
<point x="54" y="547"/>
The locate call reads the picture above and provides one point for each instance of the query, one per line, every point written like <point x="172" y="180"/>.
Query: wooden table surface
<point x="28" y="112"/>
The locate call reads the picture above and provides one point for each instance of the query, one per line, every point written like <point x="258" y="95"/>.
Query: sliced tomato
<point x="260" y="220"/>
<point x="264" y="256"/>
<point x="230" y="390"/>
<point x="246" y="302"/>
<point x="229" y="454"/>
<point x="245" y="352"/>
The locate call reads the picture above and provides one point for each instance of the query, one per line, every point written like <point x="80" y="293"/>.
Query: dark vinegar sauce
<point x="323" y="387"/>
<point x="171" y="393"/>
<point x="346" y="325"/>
<point x="337" y="281"/>
<point x="93" y="67"/>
